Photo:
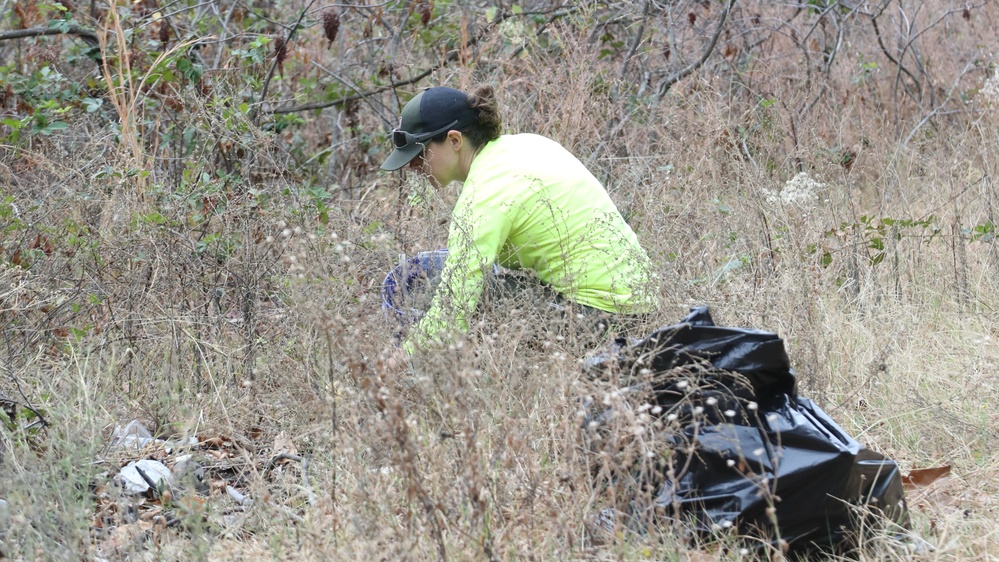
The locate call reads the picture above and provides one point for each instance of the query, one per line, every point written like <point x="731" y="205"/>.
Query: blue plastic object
<point x="411" y="277"/>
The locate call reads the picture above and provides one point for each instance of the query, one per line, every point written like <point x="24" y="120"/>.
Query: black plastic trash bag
<point x="746" y="451"/>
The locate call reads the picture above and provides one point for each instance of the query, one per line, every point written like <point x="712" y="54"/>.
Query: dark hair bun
<point x="489" y="124"/>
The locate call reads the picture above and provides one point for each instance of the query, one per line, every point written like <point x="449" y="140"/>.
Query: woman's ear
<point x="455" y="139"/>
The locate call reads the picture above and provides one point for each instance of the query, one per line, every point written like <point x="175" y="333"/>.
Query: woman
<point x="526" y="204"/>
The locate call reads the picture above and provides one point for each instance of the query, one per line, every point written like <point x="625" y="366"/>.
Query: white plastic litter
<point x="133" y="435"/>
<point x="134" y="483"/>
<point x="4" y="518"/>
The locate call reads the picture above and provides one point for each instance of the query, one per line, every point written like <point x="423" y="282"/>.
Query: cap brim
<point x="401" y="156"/>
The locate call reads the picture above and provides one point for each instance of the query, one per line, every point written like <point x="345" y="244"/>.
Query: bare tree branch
<point x="451" y="57"/>
<point x="936" y="110"/>
<point x="277" y="60"/>
<point x="87" y="35"/>
<point x="896" y="62"/>
<point x="666" y="84"/>
<point x="367" y="98"/>
<point x="362" y="95"/>
<point x="541" y="28"/>
<point x="639" y="35"/>
<point x="671" y="80"/>
<point x="27" y="403"/>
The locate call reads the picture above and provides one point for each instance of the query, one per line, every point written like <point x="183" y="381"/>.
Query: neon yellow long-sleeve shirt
<point x="529" y="204"/>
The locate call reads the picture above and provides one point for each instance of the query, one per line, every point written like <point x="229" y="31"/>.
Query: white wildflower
<point x="990" y="91"/>
<point x="800" y="191"/>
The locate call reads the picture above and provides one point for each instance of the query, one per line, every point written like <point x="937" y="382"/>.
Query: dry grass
<point x="231" y="312"/>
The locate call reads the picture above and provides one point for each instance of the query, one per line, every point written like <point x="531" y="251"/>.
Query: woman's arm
<point x="475" y="236"/>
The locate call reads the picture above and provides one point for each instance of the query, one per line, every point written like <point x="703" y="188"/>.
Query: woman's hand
<point x="398" y="361"/>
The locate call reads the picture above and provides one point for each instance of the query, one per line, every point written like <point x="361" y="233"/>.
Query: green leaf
<point x="93" y="104"/>
<point x="491" y="13"/>
<point x="516" y="9"/>
<point x="154" y="218"/>
<point x="53" y="126"/>
<point x="61" y="25"/>
<point x="15" y="124"/>
<point x="189" y="70"/>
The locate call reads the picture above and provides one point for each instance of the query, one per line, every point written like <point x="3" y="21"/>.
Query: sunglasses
<point x="404" y="139"/>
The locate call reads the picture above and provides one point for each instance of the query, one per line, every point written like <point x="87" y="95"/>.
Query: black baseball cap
<point x="432" y="112"/>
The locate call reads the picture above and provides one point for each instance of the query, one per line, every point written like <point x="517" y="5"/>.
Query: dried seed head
<point x="425" y="13"/>
<point x="966" y="14"/>
<point x="331" y="25"/>
<point x="164" y="31"/>
<point x="173" y="103"/>
<point x="692" y="18"/>
<point x="46" y="55"/>
<point x="134" y="57"/>
<point x="22" y="17"/>
<point x="281" y="52"/>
